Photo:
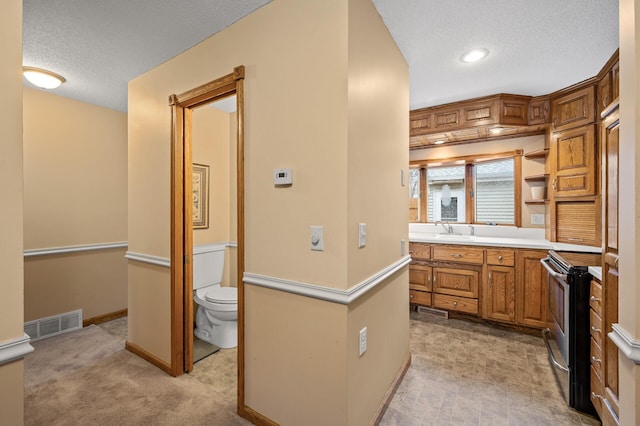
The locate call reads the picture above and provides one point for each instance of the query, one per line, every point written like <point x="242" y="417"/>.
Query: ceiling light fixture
<point x="474" y="55"/>
<point x="42" y="78"/>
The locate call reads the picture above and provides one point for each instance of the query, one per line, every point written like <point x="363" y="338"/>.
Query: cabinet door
<point x="573" y="162"/>
<point x="499" y="294"/>
<point x="531" y="289"/>
<point x="419" y="277"/>
<point x="574" y="109"/>
<point x="610" y="143"/>
<point x="456" y="281"/>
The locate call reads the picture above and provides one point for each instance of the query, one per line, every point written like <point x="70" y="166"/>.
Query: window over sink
<point x="474" y="189"/>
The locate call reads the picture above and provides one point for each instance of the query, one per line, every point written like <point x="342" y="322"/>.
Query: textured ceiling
<point x="537" y="46"/>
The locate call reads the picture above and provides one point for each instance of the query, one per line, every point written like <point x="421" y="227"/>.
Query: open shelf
<point x="541" y="153"/>
<point x="536" y="178"/>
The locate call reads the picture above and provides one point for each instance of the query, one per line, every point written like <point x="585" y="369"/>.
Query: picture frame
<point x="200" y="178"/>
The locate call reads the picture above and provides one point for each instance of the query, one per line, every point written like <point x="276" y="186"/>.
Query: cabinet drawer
<point x="456" y="281"/>
<point x="419" y="277"/>
<point x="596" y="327"/>
<point x="596" y="357"/>
<point x="453" y="303"/>
<point x="420" y="251"/>
<point x="597" y="391"/>
<point x="459" y="254"/>
<point x="420" y="297"/>
<point x="501" y="257"/>
<point x="595" y="299"/>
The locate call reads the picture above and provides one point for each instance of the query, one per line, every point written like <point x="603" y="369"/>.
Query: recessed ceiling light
<point x="438" y="142"/>
<point x="42" y="78"/>
<point x="496" y="130"/>
<point x="474" y="55"/>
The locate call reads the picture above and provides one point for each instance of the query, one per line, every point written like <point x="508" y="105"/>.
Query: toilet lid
<point x="222" y="295"/>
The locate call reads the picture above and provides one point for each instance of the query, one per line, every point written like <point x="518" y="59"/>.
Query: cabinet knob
<point x="411" y="296"/>
<point x="500" y="258"/>
<point x="594" y="359"/>
<point x="455" y="303"/>
<point x="595" y="330"/>
<point x="594" y="299"/>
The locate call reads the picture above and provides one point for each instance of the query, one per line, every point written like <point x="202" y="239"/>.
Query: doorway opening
<point x="182" y="219"/>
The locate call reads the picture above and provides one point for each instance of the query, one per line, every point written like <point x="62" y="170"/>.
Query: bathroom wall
<point x="11" y="194"/>
<point x="212" y="146"/>
<point x="529" y="167"/>
<point x="311" y="87"/>
<point x="75" y="189"/>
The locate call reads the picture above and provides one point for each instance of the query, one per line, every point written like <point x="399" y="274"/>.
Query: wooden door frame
<point x="182" y="221"/>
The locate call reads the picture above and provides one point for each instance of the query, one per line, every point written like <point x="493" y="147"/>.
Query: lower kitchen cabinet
<point x="498" y="284"/>
<point x="499" y="294"/>
<point x="531" y="289"/>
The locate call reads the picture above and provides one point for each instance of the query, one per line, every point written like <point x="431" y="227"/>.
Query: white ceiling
<point x="536" y="46"/>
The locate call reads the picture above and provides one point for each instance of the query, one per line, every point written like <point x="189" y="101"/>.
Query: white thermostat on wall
<point x="282" y="177"/>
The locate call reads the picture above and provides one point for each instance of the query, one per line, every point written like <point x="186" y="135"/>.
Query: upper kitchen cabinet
<point x="473" y="120"/>
<point x="573" y="162"/>
<point x="573" y="109"/>
<point x="609" y="84"/>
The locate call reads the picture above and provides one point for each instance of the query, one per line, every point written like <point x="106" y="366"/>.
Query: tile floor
<point x="462" y="373"/>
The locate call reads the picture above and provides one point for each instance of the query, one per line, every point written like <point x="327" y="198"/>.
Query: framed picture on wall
<point x="200" y="196"/>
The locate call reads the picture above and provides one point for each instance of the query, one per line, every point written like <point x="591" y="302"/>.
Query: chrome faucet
<point x="446" y="225"/>
<point x="473" y="230"/>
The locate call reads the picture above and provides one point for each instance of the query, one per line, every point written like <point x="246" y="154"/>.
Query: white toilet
<point x="217" y="315"/>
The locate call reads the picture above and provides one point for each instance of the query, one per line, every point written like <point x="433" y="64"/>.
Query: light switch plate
<point x="537" y="218"/>
<point x="363" y="341"/>
<point x="317" y="238"/>
<point x="362" y="234"/>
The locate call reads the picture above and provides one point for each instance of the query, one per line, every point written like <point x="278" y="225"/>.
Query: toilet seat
<point x="222" y="295"/>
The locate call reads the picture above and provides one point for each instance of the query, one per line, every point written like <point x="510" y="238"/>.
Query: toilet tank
<point x="208" y="265"/>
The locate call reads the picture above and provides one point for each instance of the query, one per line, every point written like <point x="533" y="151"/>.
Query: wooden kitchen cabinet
<point x="609" y="398"/>
<point x="420" y="289"/>
<point x="531" y="289"/>
<point x="573" y="162"/>
<point x="573" y="109"/>
<point x="499" y="294"/>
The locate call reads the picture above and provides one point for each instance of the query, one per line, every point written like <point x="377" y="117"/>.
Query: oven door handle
<point x="553" y="273"/>
<point x="545" y="333"/>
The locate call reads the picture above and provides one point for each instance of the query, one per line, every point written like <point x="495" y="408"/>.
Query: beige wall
<point x="529" y="167"/>
<point x="313" y="71"/>
<point x="94" y="281"/>
<point x="11" y="194"/>
<point x="75" y="193"/>
<point x="213" y="143"/>
<point x="629" y="223"/>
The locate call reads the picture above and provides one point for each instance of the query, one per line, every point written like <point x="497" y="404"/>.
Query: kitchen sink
<point x="456" y="237"/>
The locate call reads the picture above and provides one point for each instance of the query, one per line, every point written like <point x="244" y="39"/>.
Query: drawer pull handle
<point x="594" y="359"/>
<point x="553" y="184"/>
<point x="595" y="330"/>
<point x="596" y="396"/>
<point x="575" y="239"/>
<point x="594" y="299"/>
<point x="457" y="255"/>
<point x="500" y="258"/>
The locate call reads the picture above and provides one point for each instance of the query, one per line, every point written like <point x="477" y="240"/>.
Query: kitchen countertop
<point x="596" y="271"/>
<point x="493" y="236"/>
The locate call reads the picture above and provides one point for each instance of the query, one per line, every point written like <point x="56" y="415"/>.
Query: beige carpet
<point x="86" y="377"/>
